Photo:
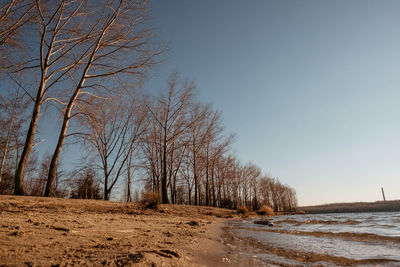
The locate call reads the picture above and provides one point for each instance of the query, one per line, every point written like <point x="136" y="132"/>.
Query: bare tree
<point x="55" y="53"/>
<point x="169" y="124"/>
<point x="36" y="183"/>
<point x="196" y="142"/>
<point x="85" y="185"/>
<point x="12" y="108"/>
<point x="204" y="131"/>
<point x="74" y="48"/>
<point x="175" y="159"/>
<point x="14" y="14"/>
<point x="114" y="128"/>
<point x="186" y="149"/>
<point x="214" y="143"/>
<point x="129" y="171"/>
<point x="217" y="146"/>
<point x="119" y="46"/>
<point x="151" y="162"/>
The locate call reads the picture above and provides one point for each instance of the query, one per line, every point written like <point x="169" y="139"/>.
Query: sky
<point x="310" y="88"/>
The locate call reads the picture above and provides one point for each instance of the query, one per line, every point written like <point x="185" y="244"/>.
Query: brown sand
<point x="38" y="231"/>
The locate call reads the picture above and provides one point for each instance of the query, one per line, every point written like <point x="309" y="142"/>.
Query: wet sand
<point x="65" y="232"/>
<point x="217" y="251"/>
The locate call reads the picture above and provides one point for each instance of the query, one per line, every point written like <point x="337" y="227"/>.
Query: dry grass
<point x="151" y="200"/>
<point x="266" y="211"/>
<point x="243" y="210"/>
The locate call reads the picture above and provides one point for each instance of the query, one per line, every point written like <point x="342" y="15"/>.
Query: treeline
<point x="186" y="157"/>
<point x="87" y="61"/>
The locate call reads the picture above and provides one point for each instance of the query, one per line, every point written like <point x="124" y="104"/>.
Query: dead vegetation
<point x="243" y="210"/>
<point x="151" y="200"/>
<point x="265" y="211"/>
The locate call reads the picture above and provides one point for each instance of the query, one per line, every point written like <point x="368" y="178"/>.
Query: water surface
<point x="361" y="239"/>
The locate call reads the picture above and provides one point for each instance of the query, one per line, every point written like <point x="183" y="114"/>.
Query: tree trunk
<point x="128" y="193"/>
<point x="49" y="192"/>
<point x="219" y="192"/>
<point x="195" y="178"/>
<point x="19" y="187"/>
<point x="207" y="182"/>
<point x="171" y="190"/>
<point x="199" y="193"/>
<point x="175" y="193"/>
<point x="189" y="194"/>
<point x="195" y="190"/>
<point x="106" y="193"/>
<point x="164" y="190"/>
<point x="214" y="199"/>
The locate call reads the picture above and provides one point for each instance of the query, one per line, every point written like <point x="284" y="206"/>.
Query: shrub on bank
<point x="265" y="211"/>
<point x="151" y="200"/>
<point x="243" y="210"/>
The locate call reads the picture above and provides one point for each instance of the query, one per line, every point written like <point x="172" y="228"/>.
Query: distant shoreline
<point x="378" y="206"/>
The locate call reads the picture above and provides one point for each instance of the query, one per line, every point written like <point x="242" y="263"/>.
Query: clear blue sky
<point x="311" y="88"/>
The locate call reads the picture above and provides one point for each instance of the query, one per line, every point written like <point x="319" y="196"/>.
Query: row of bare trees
<point x="178" y="147"/>
<point x="70" y="52"/>
<point x="87" y="60"/>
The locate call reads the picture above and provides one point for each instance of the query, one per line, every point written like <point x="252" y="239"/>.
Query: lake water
<point x="342" y="239"/>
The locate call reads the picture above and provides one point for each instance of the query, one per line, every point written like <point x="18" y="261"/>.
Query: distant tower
<point x="383" y="194"/>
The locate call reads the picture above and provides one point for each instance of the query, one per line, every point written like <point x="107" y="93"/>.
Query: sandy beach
<point x="38" y="231"/>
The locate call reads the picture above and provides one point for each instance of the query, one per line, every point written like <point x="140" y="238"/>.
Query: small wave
<point x="297" y="223"/>
<point x="363" y="237"/>
<point x="305" y="256"/>
<point x="331" y="222"/>
<point x="351" y="222"/>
